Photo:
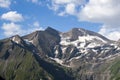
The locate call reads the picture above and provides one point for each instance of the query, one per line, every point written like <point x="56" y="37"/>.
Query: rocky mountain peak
<point x="49" y="29"/>
<point x="77" y="33"/>
<point x="81" y="31"/>
<point x="52" y="31"/>
<point x="17" y="39"/>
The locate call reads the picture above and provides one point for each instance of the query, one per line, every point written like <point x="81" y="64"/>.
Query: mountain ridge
<point x="78" y="54"/>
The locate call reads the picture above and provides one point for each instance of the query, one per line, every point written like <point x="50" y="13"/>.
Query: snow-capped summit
<point x="75" y="33"/>
<point x="81" y="38"/>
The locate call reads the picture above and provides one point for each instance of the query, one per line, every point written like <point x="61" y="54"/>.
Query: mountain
<point x="78" y="54"/>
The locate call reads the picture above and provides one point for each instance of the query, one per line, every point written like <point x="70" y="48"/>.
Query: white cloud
<point x="66" y="7"/>
<point x="70" y="9"/>
<point x="5" y="3"/>
<point x="36" y="24"/>
<point x="35" y="1"/>
<point x="115" y="35"/>
<point x="77" y="2"/>
<point x="112" y="33"/>
<point x="12" y="16"/>
<point x="11" y="29"/>
<point x="102" y="11"/>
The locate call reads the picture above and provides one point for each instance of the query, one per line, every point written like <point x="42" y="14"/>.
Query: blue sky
<point x="25" y="16"/>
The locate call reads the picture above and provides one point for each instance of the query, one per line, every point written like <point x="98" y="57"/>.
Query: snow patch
<point x="56" y="52"/>
<point x="15" y="40"/>
<point x="28" y="42"/>
<point x="78" y="57"/>
<point x="57" y="60"/>
<point x="63" y="49"/>
<point x="89" y="37"/>
<point x="31" y="41"/>
<point x="82" y="41"/>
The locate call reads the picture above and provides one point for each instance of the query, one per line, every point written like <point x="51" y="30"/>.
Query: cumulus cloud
<point x="112" y="33"/>
<point x="35" y="1"/>
<point x="12" y="16"/>
<point x="12" y="28"/>
<point x="106" y="12"/>
<point x="102" y="11"/>
<point x="69" y="9"/>
<point x="5" y="3"/>
<point x="66" y="7"/>
<point x="36" y="24"/>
